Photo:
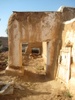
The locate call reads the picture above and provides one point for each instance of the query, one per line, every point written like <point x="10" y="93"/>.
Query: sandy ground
<point x="34" y="85"/>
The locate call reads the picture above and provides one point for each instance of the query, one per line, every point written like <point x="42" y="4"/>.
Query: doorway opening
<point x="32" y="57"/>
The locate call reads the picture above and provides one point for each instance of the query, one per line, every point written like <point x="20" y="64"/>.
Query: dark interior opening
<point x="35" y="51"/>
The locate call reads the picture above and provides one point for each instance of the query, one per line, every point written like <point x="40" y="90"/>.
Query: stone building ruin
<point x="55" y="30"/>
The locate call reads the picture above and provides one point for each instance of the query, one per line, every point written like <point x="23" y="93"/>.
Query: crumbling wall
<point x="35" y="27"/>
<point x="68" y="40"/>
<point x="68" y="33"/>
<point x="31" y="28"/>
<point x="68" y="13"/>
<point x="34" y="45"/>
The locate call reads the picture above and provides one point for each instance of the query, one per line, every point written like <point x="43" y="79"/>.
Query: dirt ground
<point x="34" y="85"/>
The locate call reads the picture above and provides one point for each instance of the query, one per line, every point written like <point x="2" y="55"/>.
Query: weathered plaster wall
<point x="34" y="45"/>
<point x="68" y="33"/>
<point x="15" y="45"/>
<point x="68" y="13"/>
<point x="36" y="26"/>
<point x="68" y="40"/>
<point x="33" y="27"/>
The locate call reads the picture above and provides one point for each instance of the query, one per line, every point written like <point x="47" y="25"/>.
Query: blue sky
<point x="7" y="6"/>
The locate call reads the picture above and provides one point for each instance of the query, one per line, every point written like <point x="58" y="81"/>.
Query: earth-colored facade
<point x="48" y="28"/>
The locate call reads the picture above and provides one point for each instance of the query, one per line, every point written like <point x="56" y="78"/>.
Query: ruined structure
<point x="30" y="47"/>
<point x="48" y="28"/>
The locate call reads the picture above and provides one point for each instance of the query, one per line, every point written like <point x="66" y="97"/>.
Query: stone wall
<point x="68" y="40"/>
<point x="32" y="27"/>
<point x="68" y="33"/>
<point x="36" y="26"/>
<point x="68" y="13"/>
<point x="34" y="45"/>
<point x="4" y="41"/>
